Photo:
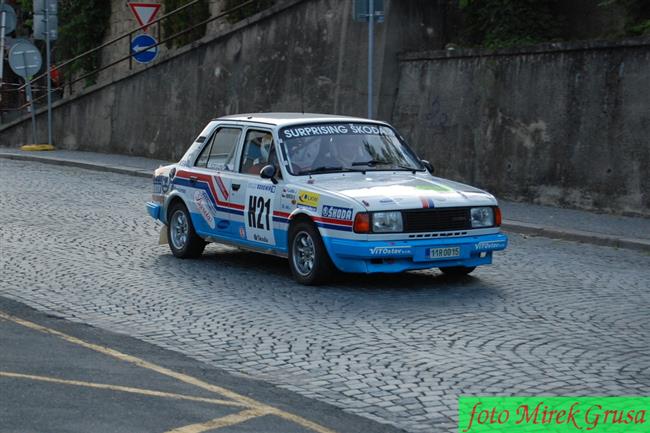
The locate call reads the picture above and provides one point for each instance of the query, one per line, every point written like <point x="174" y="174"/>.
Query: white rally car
<point x="325" y="191"/>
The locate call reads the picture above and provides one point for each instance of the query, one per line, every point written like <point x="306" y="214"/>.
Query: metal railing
<point x="61" y="67"/>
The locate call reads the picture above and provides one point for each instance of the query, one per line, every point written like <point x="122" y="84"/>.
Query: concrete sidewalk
<point x="568" y="224"/>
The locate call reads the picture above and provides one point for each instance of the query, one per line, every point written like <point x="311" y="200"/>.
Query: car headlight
<point x="384" y="222"/>
<point x="482" y="217"/>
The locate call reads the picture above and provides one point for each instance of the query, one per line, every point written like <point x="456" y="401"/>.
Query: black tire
<point x="193" y="245"/>
<point x="322" y="268"/>
<point x="458" y="270"/>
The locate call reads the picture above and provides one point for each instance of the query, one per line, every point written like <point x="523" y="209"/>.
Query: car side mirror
<point x="268" y="172"/>
<point x="428" y="166"/>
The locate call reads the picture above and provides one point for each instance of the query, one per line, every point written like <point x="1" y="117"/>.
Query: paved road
<point x="61" y="377"/>
<point x="550" y="317"/>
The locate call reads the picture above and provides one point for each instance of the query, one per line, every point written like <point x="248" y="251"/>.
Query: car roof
<point x="284" y="119"/>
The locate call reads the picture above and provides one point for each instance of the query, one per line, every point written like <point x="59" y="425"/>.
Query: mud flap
<point x="163" y="239"/>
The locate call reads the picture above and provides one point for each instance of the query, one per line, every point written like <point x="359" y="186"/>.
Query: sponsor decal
<point x="289" y="193"/>
<point x="287" y="206"/>
<point x="305" y="207"/>
<point x="340" y="213"/>
<point x="161" y="184"/>
<point x="489" y="245"/>
<point x="387" y="200"/>
<point x="265" y="187"/>
<point x="222" y="187"/>
<point x="426" y="202"/>
<point x="336" y="129"/>
<point x="223" y="224"/>
<point x="309" y="199"/>
<point x="260" y="238"/>
<point x="390" y="250"/>
<point x="258" y="212"/>
<point x="242" y="232"/>
<point x="204" y="206"/>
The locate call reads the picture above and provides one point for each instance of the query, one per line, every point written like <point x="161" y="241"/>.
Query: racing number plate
<point x="444" y="253"/>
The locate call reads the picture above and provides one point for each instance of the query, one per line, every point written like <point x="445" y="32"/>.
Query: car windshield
<point x="338" y="147"/>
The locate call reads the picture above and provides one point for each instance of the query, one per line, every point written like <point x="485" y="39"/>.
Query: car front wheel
<point x="310" y="264"/>
<point x="183" y="240"/>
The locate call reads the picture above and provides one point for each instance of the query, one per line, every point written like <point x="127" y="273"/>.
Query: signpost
<point x="7" y="25"/>
<point x="45" y="27"/>
<point x="144" y="48"/>
<point x="370" y="11"/>
<point x="144" y="13"/>
<point x="25" y="60"/>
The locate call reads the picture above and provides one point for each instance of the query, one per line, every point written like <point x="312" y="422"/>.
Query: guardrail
<point x="61" y="67"/>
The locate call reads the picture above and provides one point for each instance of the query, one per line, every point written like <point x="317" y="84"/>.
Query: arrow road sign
<point x="25" y="59"/>
<point x="143" y="49"/>
<point x="145" y="13"/>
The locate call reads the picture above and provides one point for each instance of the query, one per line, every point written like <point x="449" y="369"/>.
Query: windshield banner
<point x="335" y="129"/>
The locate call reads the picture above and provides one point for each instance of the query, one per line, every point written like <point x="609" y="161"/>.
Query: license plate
<point x="444" y="253"/>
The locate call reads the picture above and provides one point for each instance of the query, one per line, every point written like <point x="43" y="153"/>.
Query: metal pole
<point x="371" y="49"/>
<point x="130" y="53"/>
<point x="3" y="23"/>
<point x="31" y="108"/>
<point x="28" y="81"/>
<point x="49" y="77"/>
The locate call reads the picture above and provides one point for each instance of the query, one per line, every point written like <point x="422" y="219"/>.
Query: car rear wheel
<point x="310" y="264"/>
<point x="458" y="270"/>
<point x="183" y="240"/>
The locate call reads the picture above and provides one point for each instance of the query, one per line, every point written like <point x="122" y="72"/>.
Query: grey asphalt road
<point x="57" y="376"/>
<point x="550" y="317"/>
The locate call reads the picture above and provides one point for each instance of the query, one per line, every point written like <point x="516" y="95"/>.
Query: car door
<point x="214" y="197"/>
<point x="259" y="228"/>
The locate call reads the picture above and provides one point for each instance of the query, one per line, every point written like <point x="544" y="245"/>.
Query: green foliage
<point x="507" y="23"/>
<point x="183" y="20"/>
<point x="82" y="26"/>
<point x="637" y="15"/>
<point x="247" y="10"/>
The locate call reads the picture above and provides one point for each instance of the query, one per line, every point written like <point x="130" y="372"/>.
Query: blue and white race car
<point x="327" y="192"/>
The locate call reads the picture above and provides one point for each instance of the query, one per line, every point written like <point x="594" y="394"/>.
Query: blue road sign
<point x="142" y="48"/>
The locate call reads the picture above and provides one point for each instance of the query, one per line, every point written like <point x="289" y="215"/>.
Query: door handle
<point x="235" y="186"/>
<point x="193" y="179"/>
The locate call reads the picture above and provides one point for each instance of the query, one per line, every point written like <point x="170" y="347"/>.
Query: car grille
<point x="436" y="220"/>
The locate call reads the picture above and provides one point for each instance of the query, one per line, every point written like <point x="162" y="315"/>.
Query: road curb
<point x="508" y="225"/>
<point x="78" y="163"/>
<point x="576" y="235"/>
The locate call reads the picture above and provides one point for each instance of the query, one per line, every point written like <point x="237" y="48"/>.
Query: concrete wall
<point x="563" y="124"/>
<point x="299" y="55"/>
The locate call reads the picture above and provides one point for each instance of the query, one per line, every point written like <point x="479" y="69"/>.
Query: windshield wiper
<point x="323" y="169"/>
<point x="370" y="163"/>
<point x="374" y="162"/>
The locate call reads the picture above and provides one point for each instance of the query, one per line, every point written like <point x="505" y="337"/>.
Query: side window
<point x="219" y="153"/>
<point x="258" y="148"/>
<point x="202" y="160"/>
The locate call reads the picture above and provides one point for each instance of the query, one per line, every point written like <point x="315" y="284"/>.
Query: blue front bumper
<point x="154" y="210"/>
<point x="397" y="256"/>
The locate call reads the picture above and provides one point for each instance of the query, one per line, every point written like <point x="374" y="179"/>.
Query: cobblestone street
<point x="549" y="317"/>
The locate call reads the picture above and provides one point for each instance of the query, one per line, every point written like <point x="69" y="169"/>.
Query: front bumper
<point x="397" y="256"/>
<point x="154" y="209"/>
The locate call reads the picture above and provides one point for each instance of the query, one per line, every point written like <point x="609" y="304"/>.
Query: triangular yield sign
<point x="145" y="13"/>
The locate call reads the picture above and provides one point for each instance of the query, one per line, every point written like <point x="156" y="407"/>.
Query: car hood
<point x="378" y="191"/>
